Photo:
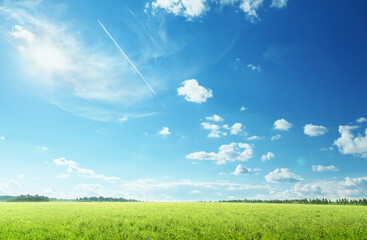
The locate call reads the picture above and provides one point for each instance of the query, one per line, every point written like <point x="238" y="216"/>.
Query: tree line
<point x="104" y="199"/>
<point x="341" y="201"/>
<point x="28" y="198"/>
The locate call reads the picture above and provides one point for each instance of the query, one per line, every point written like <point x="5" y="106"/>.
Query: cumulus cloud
<point x="243" y="108"/>
<point x="193" y="92"/>
<point x="213" y="128"/>
<point x="82" y="172"/>
<point x="236" y="128"/>
<point x="165" y="131"/>
<point x="361" y="120"/>
<point x="320" y="168"/>
<point x="347" y="143"/>
<point x="282" y="175"/>
<point x="2" y="138"/>
<point x="214" y="118"/>
<point x="275" y="137"/>
<point x="194" y="192"/>
<point x="267" y="156"/>
<point x="255" y="138"/>
<point x="254" y="68"/>
<point x="282" y="125"/>
<point x="307" y="190"/>
<point x="354" y="187"/>
<point x="187" y="8"/>
<point x="242" y="170"/>
<point x="279" y="3"/>
<point x="227" y="152"/>
<point x="314" y="130"/>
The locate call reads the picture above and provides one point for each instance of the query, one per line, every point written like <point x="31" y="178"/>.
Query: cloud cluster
<point x="165" y="131"/>
<point x="254" y="68"/>
<point x="267" y="156"/>
<point x="216" y="131"/>
<point x="193" y="92"/>
<point x="242" y="170"/>
<point x="361" y="120"/>
<point x="82" y="172"/>
<point x="282" y="175"/>
<point x="227" y="153"/>
<point x="320" y="168"/>
<point x="282" y="125"/>
<point x="196" y="8"/>
<point x="279" y="3"/>
<point x="347" y="143"/>
<point x="314" y="130"/>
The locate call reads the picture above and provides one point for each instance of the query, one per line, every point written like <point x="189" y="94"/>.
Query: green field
<point x="181" y="221"/>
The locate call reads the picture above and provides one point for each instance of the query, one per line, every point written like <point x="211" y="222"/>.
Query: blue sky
<point x="254" y="99"/>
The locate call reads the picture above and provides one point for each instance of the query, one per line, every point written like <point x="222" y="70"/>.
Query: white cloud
<point x="193" y="92"/>
<point x="243" y="108"/>
<point x="361" y="120"/>
<point x="314" y="130"/>
<point x="88" y="187"/>
<point x="242" y="170"/>
<point x="307" y="190"/>
<point x="19" y="32"/>
<point x="10" y="188"/>
<point x="347" y="143"/>
<point x="279" y="3"/>
<point x="267" y="156"/>
<point x="43" y="148"/>
<point x="165" y="131"/>
<point x="63" y="175"/>
<point x="282" y="175"/>
<point x="21" y="176"/>
<point x="194" y="192"/>
<point x="320" y="168"/>
<point x="255" y="138"/>
<point x="2" y="138"/>
<point x="282" y="124"/>
<point x="355" y="187"/>
<point x="275" y="137"/>
<point x="230" y="152"/>
<point x="324" y="149"/>
<point x="213" y="128"/>
<point x="82" y="172"/>
<point x="236" y="128"/>
<point x="186" y="8"/>
<point x="249" y="7"/>
<point x="254" y="68"/>
<point x="214" y="118"/>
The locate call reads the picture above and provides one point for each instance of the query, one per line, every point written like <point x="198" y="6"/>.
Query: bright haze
<point x="172" y="100"/>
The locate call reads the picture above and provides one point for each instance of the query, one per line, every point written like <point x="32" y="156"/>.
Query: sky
<point x="183" y="100"/>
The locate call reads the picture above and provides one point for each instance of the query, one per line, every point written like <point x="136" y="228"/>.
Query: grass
<point x="181" y="221"/>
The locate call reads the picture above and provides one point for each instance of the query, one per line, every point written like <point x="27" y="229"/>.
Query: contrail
<point x="126" y="57"/>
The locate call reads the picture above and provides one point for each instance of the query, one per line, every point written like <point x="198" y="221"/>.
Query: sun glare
<point x="49" y="58"/>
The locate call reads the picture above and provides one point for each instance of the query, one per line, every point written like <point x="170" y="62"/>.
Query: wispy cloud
<point x="82" y="172"/>
<point x="227" y="153"/>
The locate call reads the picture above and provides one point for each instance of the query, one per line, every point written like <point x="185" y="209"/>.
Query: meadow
<point x="76" y="220"/>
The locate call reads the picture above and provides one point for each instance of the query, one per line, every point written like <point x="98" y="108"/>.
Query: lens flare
<point x="22" y="49"/>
